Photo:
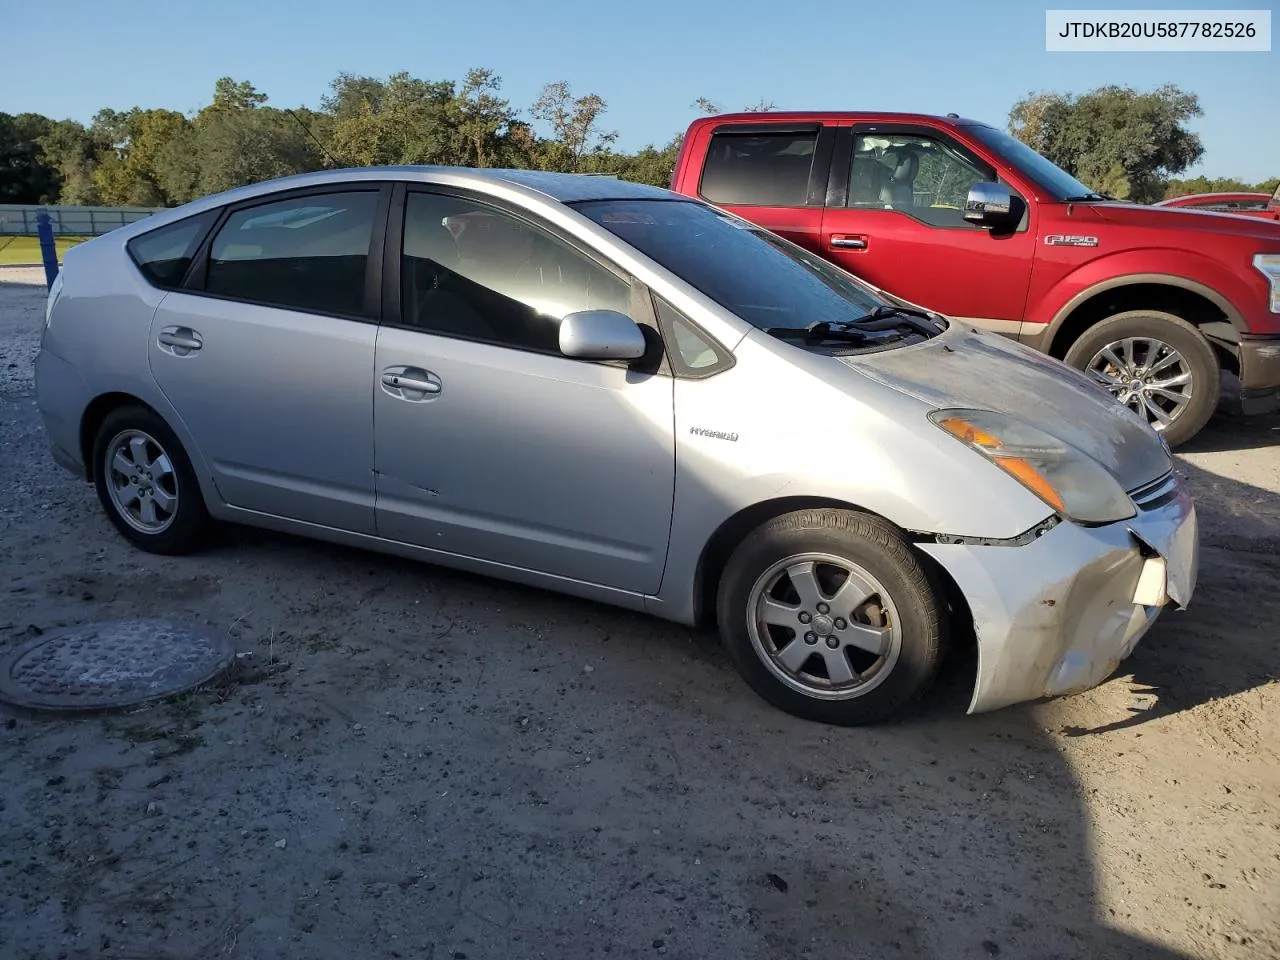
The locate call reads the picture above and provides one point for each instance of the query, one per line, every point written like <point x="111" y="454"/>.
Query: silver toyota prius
<point x="616" y="392"/>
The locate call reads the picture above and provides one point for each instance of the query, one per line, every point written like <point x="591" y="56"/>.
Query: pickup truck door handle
<point x="842" y="241"/>
<point x="410" y="383"/>
<point x="179" y="341"/>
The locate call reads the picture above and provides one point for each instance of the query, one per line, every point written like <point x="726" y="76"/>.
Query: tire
<point x="139" y="436"/>
<point x="1152" y="330"/>
<point x="763" y="568"/>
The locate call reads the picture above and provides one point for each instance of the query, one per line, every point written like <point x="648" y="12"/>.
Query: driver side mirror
<point x="993" y="205"/>
<point x="601" y="335"/>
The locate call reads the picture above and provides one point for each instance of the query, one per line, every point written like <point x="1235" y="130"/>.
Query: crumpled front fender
<point x="1059" y="614"/>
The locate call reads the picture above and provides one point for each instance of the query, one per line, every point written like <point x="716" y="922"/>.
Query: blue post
<point x="48" y="251"/>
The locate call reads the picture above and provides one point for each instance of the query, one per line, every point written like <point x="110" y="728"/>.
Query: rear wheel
<point x="830" y="616"/>
<point x="145" y="482"/>
<point x="1156" y="364"/>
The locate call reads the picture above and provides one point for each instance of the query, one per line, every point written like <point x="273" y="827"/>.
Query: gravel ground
<point x="414" y="763"/>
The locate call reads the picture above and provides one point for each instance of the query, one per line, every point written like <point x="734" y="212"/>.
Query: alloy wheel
<point x="141" y="481"/>
<point x="1149" y="376"/>
<point x="824" y="626"/>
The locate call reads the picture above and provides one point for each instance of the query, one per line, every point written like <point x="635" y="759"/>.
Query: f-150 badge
<point x="1069" y="240"/>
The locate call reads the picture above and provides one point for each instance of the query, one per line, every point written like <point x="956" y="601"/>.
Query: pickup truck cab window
<point x="925" y="177"/>
<point x="765" y="168"/>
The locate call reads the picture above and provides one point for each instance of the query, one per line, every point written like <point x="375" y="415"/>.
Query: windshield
<point x="1042" y="170"/>
<point x="762" y="278"/>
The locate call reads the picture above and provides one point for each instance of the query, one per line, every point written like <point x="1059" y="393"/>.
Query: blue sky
<point x="69" y="59"/>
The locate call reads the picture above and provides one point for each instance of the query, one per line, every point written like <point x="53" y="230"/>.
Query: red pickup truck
<point x="959" y="217"/>
<point x="1251" y="204"/>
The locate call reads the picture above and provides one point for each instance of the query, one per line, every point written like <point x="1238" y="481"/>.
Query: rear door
<point x="895" y="217"/>
<point x="773" y="174"/>
<point x="267" y="352"/>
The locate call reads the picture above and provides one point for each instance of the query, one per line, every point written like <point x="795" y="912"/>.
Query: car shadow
<point x="1230" y="430"/>
<point x="937" y="834"/>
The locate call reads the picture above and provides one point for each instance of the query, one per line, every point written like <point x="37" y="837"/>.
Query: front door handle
<point x="179" y="341"/>
<point x="410" y="383"/>
<point x="841" y="241"/>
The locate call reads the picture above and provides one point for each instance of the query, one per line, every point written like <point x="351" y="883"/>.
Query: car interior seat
<point x="901" y="165"/>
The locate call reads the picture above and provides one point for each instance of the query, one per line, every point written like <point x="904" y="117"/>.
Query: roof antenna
<point x="332" y="158"/>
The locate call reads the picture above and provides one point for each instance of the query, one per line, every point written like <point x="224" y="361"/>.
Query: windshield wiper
<point x="817" y="332"/>
<point x="887" y="317"/>
<point x="1082" y="197"/>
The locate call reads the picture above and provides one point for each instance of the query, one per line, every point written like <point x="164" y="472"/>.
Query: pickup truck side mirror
<point x="601" y="335"/>
<point x="993" y="205"/>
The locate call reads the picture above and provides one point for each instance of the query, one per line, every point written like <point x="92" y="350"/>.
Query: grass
<point x="27" y="249"/>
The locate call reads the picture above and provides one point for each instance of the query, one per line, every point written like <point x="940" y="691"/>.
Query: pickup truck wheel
<point x="1156" y="364"/>
<point x="830" y="616"/>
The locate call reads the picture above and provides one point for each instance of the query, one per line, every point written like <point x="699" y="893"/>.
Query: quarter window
<point x="472" y="271"/>
<point x="164" y="254"/>
<point x="759" y="169"/>
<point x="307" y="253"/>
<point x="919" y="176"/>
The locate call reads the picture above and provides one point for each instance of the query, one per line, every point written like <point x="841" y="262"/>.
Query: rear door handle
<point x="179" y="341"/>
<point x="410" y="383"/>
<point x="841" y="241"/>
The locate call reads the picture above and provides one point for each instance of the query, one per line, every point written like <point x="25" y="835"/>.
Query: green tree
<point x="1116" y="140"/>
<point x="575" y="126"/>
<point x="130" y="148"/>
<point x="483" y="119"/>
<point x="27" y="175"/>
<point x="71" y="151"/>
<point x="1182" y="188"/>
<point x="400" y="120"/>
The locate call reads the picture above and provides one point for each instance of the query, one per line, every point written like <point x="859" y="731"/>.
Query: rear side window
<point x="759" y="169"/>
<point x="164" y="254"/>
<point x="306" y="253"/>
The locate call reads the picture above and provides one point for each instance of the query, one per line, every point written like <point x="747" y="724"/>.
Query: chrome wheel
<point x="824" y="626"/>
<point x="1147" y="375"/>
<point x="141" y="481"/>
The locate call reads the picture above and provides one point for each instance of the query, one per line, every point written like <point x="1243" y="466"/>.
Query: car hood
<point x="966" y="367"/>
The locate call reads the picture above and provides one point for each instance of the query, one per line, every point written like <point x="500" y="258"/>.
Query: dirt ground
<point x="420" y="764"/>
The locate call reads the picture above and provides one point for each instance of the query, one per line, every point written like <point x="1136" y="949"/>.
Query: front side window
<point x="307" y="253"/>
<point x="920" y="176"/>
<point x="1060" y="184"/>
<point x="473" y="271"/>
<point x="164" y="254"/>
<point x="759" y="169"/>
<point x="754" y="273"/>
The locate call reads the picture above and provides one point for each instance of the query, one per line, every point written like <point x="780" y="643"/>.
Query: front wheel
<point x="1156" y="364"/>
<point x="830" y="616"/>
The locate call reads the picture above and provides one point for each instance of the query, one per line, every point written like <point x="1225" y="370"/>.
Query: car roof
<point x="1221" y="195"/>
<point x="535" y="185"/>
<point x="565" y="187"/>
<point x="832" y="116"/>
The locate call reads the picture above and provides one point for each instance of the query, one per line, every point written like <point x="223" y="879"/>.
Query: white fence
<point x="19" y="219"/>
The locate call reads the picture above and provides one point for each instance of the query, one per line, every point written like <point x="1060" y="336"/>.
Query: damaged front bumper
<point x="1059" y="614"/>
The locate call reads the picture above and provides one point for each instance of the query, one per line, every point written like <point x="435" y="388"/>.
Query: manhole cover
<point x="103" y="665"/>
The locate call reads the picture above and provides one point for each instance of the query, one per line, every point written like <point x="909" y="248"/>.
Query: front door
<point x="491" y="444"/>
<point x="898" y="222"/>
<point x="266" y="355"/>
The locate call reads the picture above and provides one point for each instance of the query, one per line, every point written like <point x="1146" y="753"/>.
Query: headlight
<point x="1068" y="480"/>
<point x="1268" y="264"/>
